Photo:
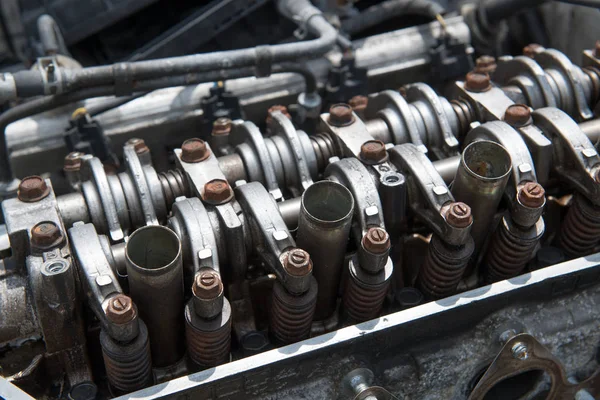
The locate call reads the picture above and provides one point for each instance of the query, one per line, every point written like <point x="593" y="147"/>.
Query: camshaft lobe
<point x="580" y="230"/>
<point x="443" y="267"/>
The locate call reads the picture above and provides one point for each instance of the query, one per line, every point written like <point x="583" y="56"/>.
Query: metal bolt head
<point x="120" y="309"/>
<point x="520" y="351"/>
<point x="459" y="215"/>
<point x="373" y="150"/>
<point x="359" y="103"/>
<point x="221" y="127"/>
<point x="217" y="191"/>
<point x="194" y="150"/>
<point x="517" y="115"/>
<point x="138" y="145"/>
<point x="298" y="263"/>
<point x="341" y="115"/>
<point x="531" y="50"/>
<point x="73" y="161"/>
<point x="477" y="82"/>
<point x="532" y="195"/>
<point x="376" y="240"/>
<point x="485" y="64"/>
<point x="32" y="189"/>
<point x="46" y="234"/>
<point x="207" y="285"/>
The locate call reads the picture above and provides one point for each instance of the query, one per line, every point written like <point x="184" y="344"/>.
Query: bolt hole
<point x="55" y="267"/>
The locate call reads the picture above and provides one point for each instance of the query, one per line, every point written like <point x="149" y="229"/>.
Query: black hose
<point x="389" y="9"/>
<point x="263" y="57"/>
<point x="495" y="11"/>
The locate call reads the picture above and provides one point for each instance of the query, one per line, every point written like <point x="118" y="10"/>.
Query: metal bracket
<point x="524" y="353"/>
<point x="427" y="192"/>
<point x="575" y="159"/>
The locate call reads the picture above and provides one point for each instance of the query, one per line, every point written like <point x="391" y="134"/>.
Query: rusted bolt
<point x="46" y="234"/>
<point x="402" y="91"/>
<point x="277" y="107"/>
<point x="517" y="115"/>
<point x="217" y="191"/>
<point x="138" y="145"/>
<point x="341" y="115"/>
<point x="459" y="215"/>
<point x="532" y="195"/>
<point x="221" y="127"/>
<point x="359" y="103"/>
<point x="485" y="64"/>
<point x="531" y="50"/>
<point x="376" y="240"/>
<point x="32" y="189"/>
<point x="477" y="82"/>
<point x="73" y="161"/>
<point x="120" y="309"/>
<point x="373" y="150"/>
<point x="194" y="150"/>
<point x="298" y="263"/>
<point x="207" y="285"/>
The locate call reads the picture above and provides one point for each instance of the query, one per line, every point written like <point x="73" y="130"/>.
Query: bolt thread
<point x="208" y="348"/>
<point x="324" y="149"/>
<point x="128" y="365"/>
<point x="443" y="267"/>
<point x="292" y="315"/>
<point x="363" y="302"/>
<point x="173" y="185"/>
<point x="507" y="254"/>
<point x="580" y="230"/>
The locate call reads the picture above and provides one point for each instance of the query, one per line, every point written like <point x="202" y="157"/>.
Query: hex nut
<point x="341" y="115"/>
<point x="138" y="145"/>
<point x="359" y="103"/>
<point x="194" y="150"/>
<point x="298" y="263"/>
<point x="32" y="189"/>
<point x="45" y="235"/>
<point x="207" y="285"/>
<point x="532" y="195"/>
<point x="376" y="240"/>
<point x="485" y="64"/>
<point x="459" y="215"/>
<point x="531" y="50"/>
<point x="221" y="127"/>
<point x="477" y="82"/>
<point x="73" y="161"/>
<point x="373" y="151"/>
<point x="120" y="309"/>
<point x="217" y="191"/>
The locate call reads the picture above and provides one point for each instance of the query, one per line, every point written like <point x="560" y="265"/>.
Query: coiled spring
<point x="443" y="267"/>
<point x="291" y="315"/>
<point x="363" y="302"/>
<point x="209" y="345"/>
<point x="128" y="365"/>
<point x="510" y="249"/>
<point x="580" y="230"/>
<point x="173" y="186"/>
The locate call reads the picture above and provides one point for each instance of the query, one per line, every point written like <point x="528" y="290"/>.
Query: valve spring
<point x="507" y="254"/>
<point x="363" y="302"/>
<point x="580" y="230"/>
<point x="443" y="267"/>
<point x="209" y="348"/>
<point x="173" y="185"/>
<point x="292" y="315"/>
<point x="464" y="114"/>
<point x="128" y="365"/>
<point x="324" y="149"/>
